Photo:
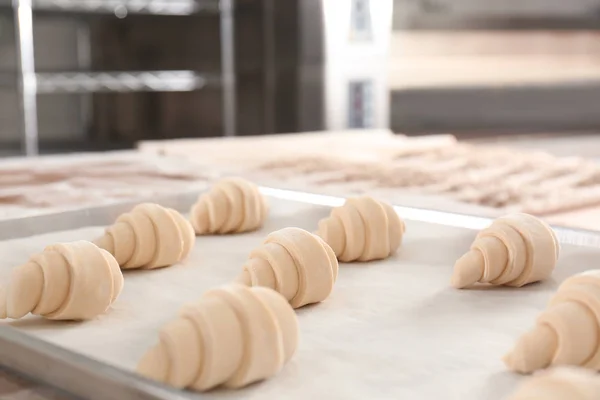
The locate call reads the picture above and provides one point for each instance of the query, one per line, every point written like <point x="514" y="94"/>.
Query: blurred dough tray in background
<point x="31" y="186"/>
<point x="428" y="171"/>
<point x="54" y="183"/>
<point x="435" y="172"/>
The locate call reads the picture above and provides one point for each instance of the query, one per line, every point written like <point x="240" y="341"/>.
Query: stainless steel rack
<point x="31" y="83"/>
<point x="160" y="7"/>
<point x="153" y="81"/>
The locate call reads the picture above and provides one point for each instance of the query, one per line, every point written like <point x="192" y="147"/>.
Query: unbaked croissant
<point x="567" y="332"/>
<point x="232" y="336"/>
<point x="560" y="383"/>
<point x="149" y="236"/>
<point x="68" y="281"/>
<point x="514" y="250"/>
<point x="294" y="262"/>
<point x="362" y="229"/>
<point x="233" y="205"/>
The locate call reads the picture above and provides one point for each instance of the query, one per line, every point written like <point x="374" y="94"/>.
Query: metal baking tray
<point x="88" y="378"/>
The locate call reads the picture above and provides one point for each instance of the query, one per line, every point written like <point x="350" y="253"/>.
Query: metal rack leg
<point x="269" y="64"/>
<point x="27" y="89"/>
<point x="228" y="67"/>
<point x="84" y="62"/>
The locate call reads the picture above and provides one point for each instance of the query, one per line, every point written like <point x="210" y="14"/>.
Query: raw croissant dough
<point x="362" y="229"/>
<point x="232" y="336"/>
<point x="149" y="236"/>
<point x="68" y="281"/>
<point x="514" y="250"/>
<point x="567" y="332"/>
<point x="560" y="383"/>
<point x="233" y="205"/>
<point x="294" y="262"/>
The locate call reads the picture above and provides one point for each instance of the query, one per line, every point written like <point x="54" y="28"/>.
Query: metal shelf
<point x="31" y="83"/>
<point x="122" y="8"/>
<point x="130" y="81"/>
<point x="136" y="81"/>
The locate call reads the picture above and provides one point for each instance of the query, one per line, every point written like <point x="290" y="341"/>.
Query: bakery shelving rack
<point x="31" y="83"/>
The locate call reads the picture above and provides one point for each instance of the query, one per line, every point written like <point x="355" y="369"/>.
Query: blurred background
<point x="103" y="74"/>
<point x="473" y="106"/>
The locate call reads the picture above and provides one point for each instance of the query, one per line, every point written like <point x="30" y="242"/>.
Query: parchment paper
<point x="390" y="330"/>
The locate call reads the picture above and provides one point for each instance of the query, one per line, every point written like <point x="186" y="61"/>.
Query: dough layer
<point x="514" y="250"/>
<point x="149" y="236"/>
<point x="560" y="383"/>
<point x="233" y="336"/>
<point x="294" y="262"/>
<point x="233" y="205"/>
<point x="363" y="229"/>
<point x="567" y="332"/>
<point x="68" y="281"/>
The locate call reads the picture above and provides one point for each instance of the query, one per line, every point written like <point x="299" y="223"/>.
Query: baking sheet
<point x="391" y="329"/>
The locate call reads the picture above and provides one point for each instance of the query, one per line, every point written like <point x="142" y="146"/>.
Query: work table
<point x="54" y="183"/>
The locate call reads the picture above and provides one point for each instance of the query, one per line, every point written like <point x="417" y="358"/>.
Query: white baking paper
<point x="392" y="329"/>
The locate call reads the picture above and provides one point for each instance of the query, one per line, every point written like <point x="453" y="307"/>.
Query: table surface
<point x="13" y="387"/>
<point x="19" y="388"/>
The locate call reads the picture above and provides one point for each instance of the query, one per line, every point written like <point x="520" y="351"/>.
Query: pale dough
<point x="363" y="229"/>
<point x="233" y="205"/>
<point x="560" y="383"/>
<point x="233" y="336"/>
<point x="68" y="281"/>
<point x="567" y="332"/>
<point x="514" y="250"/>
<point x="294" y="262"/>
<point x="149" y="236"/>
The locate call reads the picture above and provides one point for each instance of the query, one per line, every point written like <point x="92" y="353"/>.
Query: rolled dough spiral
<point x="68" y="281"/>
<point x="149" y="236"/>
<point x="514" y="250"/>
<point x="567" y="332"/>
<point x="294" y="262"/>
<point x="362" y="229"/>
<point x="560" y="383"/>
<point x="233" y="205"/>
<point x="232" y="336"/>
